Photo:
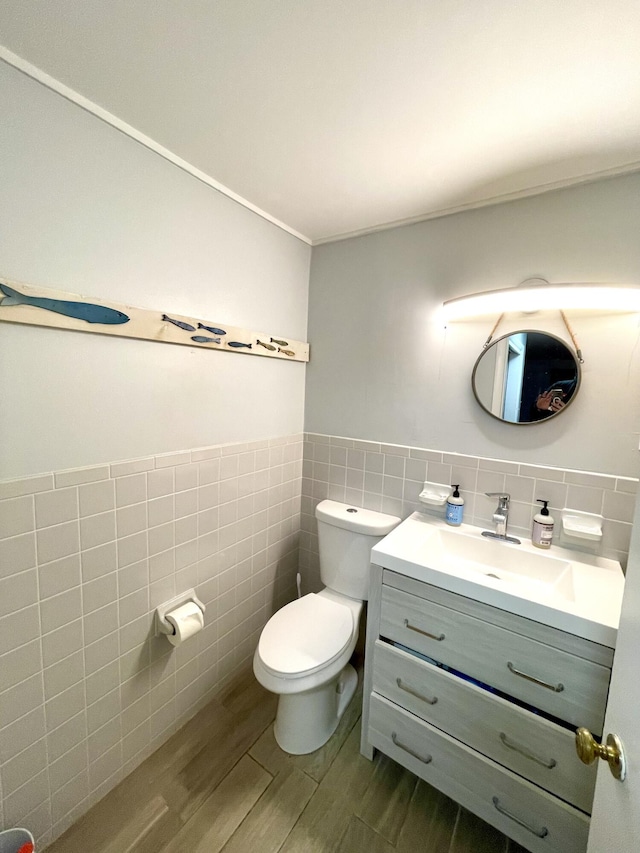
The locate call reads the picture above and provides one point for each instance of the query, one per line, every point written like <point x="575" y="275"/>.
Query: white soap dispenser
<point x="455" y="508"/>
<point x="542" y="530"/>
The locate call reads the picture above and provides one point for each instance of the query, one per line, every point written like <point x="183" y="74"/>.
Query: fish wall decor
<point x="37" y="306"/>
<point x="186" y="326"/>
<point x="212" y="329"/>
<point x="80" y="310"/>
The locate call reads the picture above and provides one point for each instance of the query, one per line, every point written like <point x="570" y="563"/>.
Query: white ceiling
<point x="341" y="116"/>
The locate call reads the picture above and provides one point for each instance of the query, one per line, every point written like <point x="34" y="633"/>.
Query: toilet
<point x="304" y="649"/>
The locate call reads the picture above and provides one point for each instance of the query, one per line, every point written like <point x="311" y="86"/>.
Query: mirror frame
<point x="542" y="420"/>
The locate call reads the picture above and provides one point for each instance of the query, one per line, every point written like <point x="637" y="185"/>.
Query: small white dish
<point x="434" y="494"/>
<point x="582" y="525"/>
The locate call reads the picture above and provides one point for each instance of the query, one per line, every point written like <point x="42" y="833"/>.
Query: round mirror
<point x="526" y="377"/>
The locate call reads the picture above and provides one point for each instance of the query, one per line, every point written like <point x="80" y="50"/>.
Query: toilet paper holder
<point x="161" y="624"/>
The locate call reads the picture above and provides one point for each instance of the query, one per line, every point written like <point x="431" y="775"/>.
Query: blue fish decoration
<point x="200" y="339"/>
<point x="237" y="345"/>
<point x="179" y="324"/>
<point x="212" y="329"/>
<point x="79" y="310"/>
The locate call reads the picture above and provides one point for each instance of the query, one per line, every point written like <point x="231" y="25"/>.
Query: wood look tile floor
<point x="221" y="783"/>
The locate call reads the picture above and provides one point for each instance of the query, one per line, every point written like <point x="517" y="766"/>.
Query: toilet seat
<point x="305" y="636"/>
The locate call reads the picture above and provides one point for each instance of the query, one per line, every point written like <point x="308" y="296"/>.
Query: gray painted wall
<point x="385" y="368"/>
<point x="87" y="210"/>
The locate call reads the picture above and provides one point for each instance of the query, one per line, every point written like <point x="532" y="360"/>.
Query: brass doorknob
<point x="589" y="749"/>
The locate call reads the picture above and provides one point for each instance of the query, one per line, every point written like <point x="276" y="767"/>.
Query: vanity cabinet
<point x="483" y="704"/>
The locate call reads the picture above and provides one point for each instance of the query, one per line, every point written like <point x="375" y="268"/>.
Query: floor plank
<point x="274" y="815"/>
<point x="153" y="839"/>
<point x="321" y="825"/>
<point x="244" y="693"/>
<point x="189" y="788"/>
<point x="430" y="821"/>
<point x="131" y="835"/>
<point x="351" y="773"/>
<point x="137" y="816"/>
<point x="385" y="804"/>
<point x="514" y="847"/>
<point x="473" y="835"/>
<point x="223" y="811"/>
<point x="360" y="838"/>
<point x="185" y="743"/>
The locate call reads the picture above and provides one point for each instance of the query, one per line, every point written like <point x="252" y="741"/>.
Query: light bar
<point x="545" y="297"/>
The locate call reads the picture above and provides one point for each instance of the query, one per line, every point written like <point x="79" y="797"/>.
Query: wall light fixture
<point x="538" y="295"/>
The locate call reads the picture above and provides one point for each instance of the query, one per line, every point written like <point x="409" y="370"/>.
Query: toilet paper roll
<point x="187" y="620"/>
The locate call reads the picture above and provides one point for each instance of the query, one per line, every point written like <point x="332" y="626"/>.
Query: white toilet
<point x="304" y="649"/>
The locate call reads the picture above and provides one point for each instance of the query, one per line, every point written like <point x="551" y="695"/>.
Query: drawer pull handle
<point x="411" y="627"/>
<point x="557" y="688"/>
<point x="400" y="745"/>
<point x="415" y="693"/>
<point x="527" y="753"/>
<point x="540" y="833"/>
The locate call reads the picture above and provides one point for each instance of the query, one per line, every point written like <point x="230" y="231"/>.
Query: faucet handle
<point x="503" y="499"/>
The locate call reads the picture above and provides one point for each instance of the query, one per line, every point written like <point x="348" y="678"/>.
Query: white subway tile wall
<point x="389" y="478"/>
<point x="86" y="690"/>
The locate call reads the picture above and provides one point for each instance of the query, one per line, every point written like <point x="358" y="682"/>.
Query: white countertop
<point x="574" y="592"/>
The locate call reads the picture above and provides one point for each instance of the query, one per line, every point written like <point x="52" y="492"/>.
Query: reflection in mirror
<point x="526" y="377"/>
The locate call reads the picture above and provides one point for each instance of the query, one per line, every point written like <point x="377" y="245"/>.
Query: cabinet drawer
<point x="564" y="685"/>
<point x="532" y="817"/>
<point x="514" y="737"/>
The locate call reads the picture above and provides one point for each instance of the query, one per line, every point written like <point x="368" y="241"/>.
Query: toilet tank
<point x="346" y="535"/>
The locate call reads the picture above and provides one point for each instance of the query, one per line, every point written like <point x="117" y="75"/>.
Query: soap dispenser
<point x="455" y="508"/>
<point x="542" y="530"/>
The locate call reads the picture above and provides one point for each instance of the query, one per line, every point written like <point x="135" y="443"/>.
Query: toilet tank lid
<point x="356" y="519"/>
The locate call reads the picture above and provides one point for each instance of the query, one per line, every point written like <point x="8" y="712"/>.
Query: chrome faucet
<point x="500" y="517"/>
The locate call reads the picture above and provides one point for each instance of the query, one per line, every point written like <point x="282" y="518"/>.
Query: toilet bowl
<point x="304" y="650"/>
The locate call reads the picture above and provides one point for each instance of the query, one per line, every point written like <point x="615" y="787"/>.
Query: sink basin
<point x="504" y="563"/>
<point x="566" y="589"/>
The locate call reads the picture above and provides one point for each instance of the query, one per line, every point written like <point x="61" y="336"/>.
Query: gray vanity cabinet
<point x="483" y="705"/>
